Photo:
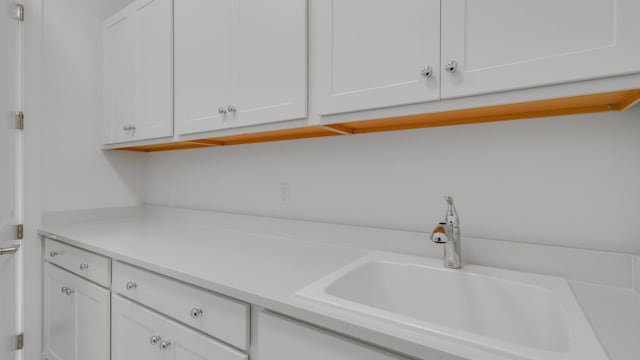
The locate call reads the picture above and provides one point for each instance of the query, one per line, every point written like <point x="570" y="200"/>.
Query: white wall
<point x="571" y="181"/>
<point x="77" y="174"/>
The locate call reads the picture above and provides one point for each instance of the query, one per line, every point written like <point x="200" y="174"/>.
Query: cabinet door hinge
<point x="20" y="120"/>
<point x="19" y="341"/>
<point x="19" y="231"/>
<point x="20" y="12"/>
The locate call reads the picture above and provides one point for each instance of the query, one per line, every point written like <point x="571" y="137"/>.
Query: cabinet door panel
<point x="76" y="322"/>
<point x="187" y="344"/>
<point x="154" y="68"/>
<point x="269" y="61"/>
<point x="119" y="78"/>
<point x="59" y="316"/>
<point x="503" y="45"/>
<point x="132" y="328"/>
<point x="370" y="54"/>
<point x="202" y="58"/>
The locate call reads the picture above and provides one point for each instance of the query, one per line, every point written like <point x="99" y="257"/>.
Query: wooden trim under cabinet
<point x="609" y="101"/>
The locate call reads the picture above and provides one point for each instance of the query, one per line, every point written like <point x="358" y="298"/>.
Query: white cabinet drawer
<point x="220" y="317"/>
<point x="94" y="267"/>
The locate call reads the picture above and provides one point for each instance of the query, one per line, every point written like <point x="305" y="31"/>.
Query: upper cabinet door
<point x="119" y="78"/>
<point x="154" y="69"/>
<point x="202" y="37"/>
<point x="504" y="44"/>
<point x="372" y="54"/>
<point x="268" y="61"/>
<point x="138" y="94"/>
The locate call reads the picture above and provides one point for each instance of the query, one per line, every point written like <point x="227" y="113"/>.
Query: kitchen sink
<point x="520" y="315"/>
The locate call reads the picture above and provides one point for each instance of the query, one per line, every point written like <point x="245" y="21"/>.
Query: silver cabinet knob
<point x="222" y="110"/>
<point x="132" y="127"/>
<point x="64" y="289"/>
<point x="125" y="128"/>
<point x="451" y="66"/>
<point x="67" y="290"/>
<point x="231" y="108"/>
<point x="53" y="254"/>
<point x="427" y="71"/>
<point x="154" y="340"/>
<point x="164" y="345"/>
<point x="131" y="285"/>
<point x="84" y="266"/>
<point x="196" y="313"/>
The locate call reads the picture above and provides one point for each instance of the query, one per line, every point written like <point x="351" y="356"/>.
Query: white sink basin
<point x="499" y="312"/>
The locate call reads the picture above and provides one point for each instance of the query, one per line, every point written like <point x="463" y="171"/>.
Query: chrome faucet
<point x="448" y="233"/>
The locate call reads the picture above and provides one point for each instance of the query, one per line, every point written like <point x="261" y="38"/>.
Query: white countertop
<point x="266" y="270"/>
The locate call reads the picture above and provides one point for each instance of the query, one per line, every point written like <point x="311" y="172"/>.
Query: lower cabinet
<point x="76" y="317"/>
<point x="283" y="339"/>
<point x="142" y="334"/>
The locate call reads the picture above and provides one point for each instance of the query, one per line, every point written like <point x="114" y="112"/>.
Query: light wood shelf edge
<point x="602" y="102"/>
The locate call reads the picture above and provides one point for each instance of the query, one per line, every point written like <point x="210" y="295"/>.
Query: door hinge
<point x="20" y="12"/>
<point x="20" y="120"/>
<point x="19" y="341"/>
<point x="19" y="231"/>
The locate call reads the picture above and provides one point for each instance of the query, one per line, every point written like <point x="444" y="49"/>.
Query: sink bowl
<point x="494" y="311"/>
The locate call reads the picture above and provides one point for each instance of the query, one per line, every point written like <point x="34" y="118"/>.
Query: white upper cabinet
<point x="119" y="78"/>
<point x="504" y="44"/>
<point x="239" y="63"/>
<point x="138" y="61"/>
<point x="202" y="45"/>
<point x="373" y="54"/>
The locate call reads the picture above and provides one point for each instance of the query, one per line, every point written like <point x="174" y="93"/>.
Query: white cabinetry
<point x="283" y="339"/>
<point x="76" y="317"/>
<point x="239" y="63"/>
<point x="138" y="71"/>
<point x="502" y="44"/>
<point x="142" y="334"/>
<point x="372" y="54"/>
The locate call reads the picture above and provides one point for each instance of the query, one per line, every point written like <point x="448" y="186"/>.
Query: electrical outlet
<point x="285" y="193"/>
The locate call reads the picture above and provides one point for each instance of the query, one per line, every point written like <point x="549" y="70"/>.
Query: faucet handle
<point x="449" y="200"/>
<point x="451" y="217"/>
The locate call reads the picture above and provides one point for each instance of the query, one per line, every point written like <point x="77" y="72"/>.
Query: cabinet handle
<point x="451" y="66"/>
<point x="53" y="254"/>
<point x="222" y="110"/>
<point x="154" y="340"/>
<point x="427" y="71"/>
<point x="131" y="285"/>
<point x="165" y="345"/>
<point x="67" y="290"/>
<point x="64" y="289"/>
<point x="133" y="127"/>
<point x="231" y="108"/>
<point x="84" y="266"/>
<point x="196" y="313"/>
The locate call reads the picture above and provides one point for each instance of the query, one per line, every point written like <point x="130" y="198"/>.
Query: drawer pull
<point x="154" y="340"/>
<point x="53" y="253"/>
<point x="165" y="345"/>
<point x="64" y="289"/>
<point x="196" y="313"/>
<point x="131" y="285"/>
<point x="84" y="266"/>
